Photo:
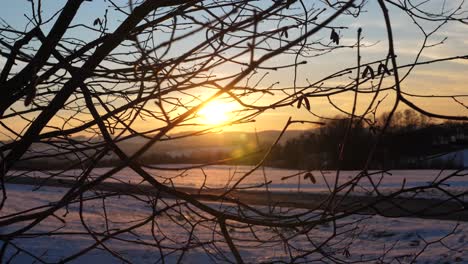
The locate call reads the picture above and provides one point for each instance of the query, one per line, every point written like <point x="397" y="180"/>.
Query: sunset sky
<point x="446" y="78"/>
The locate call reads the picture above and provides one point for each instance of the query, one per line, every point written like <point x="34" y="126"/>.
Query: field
<point x="223" y="176"/>
<point x="368" y="237"/>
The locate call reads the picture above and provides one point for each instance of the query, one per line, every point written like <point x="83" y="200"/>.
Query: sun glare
<point x="215" y="113"/>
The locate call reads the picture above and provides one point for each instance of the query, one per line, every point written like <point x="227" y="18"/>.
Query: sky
<point x="447" y="78"/>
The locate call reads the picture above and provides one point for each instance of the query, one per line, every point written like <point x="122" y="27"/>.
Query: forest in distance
<point x="413" y="141"/>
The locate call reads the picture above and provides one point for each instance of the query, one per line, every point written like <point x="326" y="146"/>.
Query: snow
<point x="369" y="237"/>
<point x="283" y="180"/>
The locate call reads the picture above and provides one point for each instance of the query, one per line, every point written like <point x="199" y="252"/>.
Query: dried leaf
<point x="221" y="36"/>
<point x="312" y="179"/>
<point x="383" y="69"/>
<point x="310" y="176"/>
<point x="307" y="103"/>
<point x="299" y="102"/>
<point x="365" y="72"/>
<point x="368" y="70"/>
<point x="97" y="21"/>
<point x="335" y="37"/>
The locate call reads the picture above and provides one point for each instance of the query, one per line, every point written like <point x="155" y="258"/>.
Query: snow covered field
<point x="222" y="176"/>
<point x="371" y="239"/>
<point x="400" y="239"/>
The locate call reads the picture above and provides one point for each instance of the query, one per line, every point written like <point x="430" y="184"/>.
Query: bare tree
<point x="75" y="90"/>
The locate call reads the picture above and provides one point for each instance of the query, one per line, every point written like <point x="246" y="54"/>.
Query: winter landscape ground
<point x="371" y="238"/>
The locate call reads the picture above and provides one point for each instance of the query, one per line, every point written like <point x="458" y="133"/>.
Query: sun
<point x="215" y="113"/>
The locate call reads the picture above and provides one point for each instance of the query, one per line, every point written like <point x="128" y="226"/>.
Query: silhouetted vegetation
<point x="409" y="143"/>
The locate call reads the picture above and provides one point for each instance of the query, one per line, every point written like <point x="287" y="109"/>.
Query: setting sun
<point x="215" y="113"/>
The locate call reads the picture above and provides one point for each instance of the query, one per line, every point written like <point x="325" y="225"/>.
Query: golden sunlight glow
<point x="215" y="113"/>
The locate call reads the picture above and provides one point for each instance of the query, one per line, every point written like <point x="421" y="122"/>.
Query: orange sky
<point x="447" y="78"/>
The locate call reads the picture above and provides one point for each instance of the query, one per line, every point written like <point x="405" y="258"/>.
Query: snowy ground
<point x="399" y="240"/>
<point x="222" y="176"/>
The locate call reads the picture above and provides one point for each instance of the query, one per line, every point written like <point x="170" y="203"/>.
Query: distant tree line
<point x="410" y="140"/>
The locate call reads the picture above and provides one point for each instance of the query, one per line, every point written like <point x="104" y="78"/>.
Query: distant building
<point x="450" y="136"/>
